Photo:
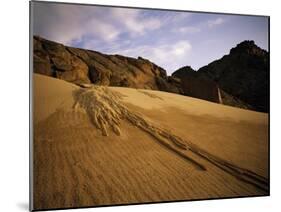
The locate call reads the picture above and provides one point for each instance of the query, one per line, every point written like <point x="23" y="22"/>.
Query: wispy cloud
<point x="65" y="23"/>
<point x="215" y="22"/>
<point x="165" y="55"/>
<point x="134" y="22"/>
<point x="188" y="29"/>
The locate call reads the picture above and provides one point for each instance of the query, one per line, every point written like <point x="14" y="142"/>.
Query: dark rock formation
<point x="242" y="77"/>
<point x="185" y="71"/>
<point x="201" y="88"/>
<point x="193" y="86"/>
<point x="228" y="99"/>
<point x="86" y="66"/>
<point x="243" y="73"/>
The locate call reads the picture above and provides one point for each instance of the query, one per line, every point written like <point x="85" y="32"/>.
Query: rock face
<point x="54" y="59"/>
<point x="185" y="71"/>
<point x="86" y="66"/>
<point x="243" y="73"/>
<point x="242" y="77"/>
<point x="194" y="86"/>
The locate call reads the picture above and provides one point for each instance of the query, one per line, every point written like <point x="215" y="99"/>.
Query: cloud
<point x="188" y="29"/>
<point x="66" y="23"/>
<point x="134" y="21"/>
<point x="200" y="26"/>
<point x="170" y="55"/>
<point x="215" y="22"/>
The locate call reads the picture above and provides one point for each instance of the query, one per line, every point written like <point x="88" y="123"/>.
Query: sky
<point x="170" y="39"/>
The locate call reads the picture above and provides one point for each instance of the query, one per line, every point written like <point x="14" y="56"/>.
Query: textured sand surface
<point x="102" y="145"/>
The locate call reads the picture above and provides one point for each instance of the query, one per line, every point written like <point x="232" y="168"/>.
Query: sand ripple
<point x="105" y="110"/>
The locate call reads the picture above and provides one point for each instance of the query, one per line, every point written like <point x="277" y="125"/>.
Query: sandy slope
<point x="100" y="146"/>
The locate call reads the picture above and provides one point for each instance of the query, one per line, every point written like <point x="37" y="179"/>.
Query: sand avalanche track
<point x="95" y="148"/>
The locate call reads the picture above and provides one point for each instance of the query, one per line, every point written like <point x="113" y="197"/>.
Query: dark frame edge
<point x="269" y="185"/>
<point x="31" y="208"/>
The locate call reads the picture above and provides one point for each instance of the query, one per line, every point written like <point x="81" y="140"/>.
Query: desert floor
<point x="109" y="145"/>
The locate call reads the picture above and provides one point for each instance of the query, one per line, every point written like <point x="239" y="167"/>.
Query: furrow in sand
<point x="104" y="183"/>
<point x="121" y="181"/>
<point x="149" y="193"/>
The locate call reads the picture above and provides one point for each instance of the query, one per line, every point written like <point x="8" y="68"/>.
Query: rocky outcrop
<point x="242" y="76"/>
<point x="87" y="66"/>
<point x="193" y="86"/>
<point x="184" y="72"/>
<point x="54" y="59"/>
<point x="201" y="88"/>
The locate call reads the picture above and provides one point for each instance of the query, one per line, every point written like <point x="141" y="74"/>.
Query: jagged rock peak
<point x="184" y="71"/>
<point x="249" y="47"/>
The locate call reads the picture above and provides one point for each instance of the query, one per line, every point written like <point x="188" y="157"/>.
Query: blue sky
<point x="168" y="38"/>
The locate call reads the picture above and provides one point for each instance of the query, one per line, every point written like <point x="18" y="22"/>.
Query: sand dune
<point x="108" y="145"/>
